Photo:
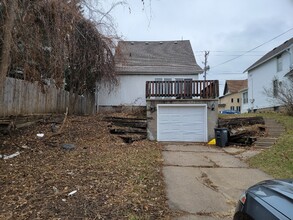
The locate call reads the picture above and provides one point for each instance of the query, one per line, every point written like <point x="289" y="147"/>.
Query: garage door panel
<point x="182" y="123"/>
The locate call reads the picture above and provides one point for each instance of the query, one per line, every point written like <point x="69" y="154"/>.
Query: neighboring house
<point x="268" y="73"/>
<point x="138" y="62"/>
<point x="234" y="96"/>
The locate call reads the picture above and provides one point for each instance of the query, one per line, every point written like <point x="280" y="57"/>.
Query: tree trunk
<point x="7" y="42"/>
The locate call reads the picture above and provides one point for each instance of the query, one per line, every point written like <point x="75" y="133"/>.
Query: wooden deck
<point x="186" y="89"/>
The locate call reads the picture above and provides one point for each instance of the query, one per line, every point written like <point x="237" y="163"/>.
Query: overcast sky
<point x="226" y="28"/>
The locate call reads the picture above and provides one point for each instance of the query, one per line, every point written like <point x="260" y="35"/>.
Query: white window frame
<point x="245" y="97"/>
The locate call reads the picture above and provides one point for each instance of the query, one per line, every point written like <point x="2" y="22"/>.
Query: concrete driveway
<point x="204" y="182"/>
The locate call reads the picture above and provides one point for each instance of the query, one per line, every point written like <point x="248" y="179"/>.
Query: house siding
<point x="130" y="90"/>
<point x="261" y="78"/>
<point x="227" y="101"/>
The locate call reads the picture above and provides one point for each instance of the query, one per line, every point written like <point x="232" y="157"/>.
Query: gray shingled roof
<point x="156" y="57"/>
<point x="273" y="53"/>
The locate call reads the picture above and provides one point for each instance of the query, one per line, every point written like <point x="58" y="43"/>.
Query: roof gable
<point x="273" y="53"/>
<point x="156" y="57"/>
<point x="234" y="86"/>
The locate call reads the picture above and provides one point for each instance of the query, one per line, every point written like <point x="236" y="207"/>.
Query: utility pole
<point x="205" y="69"/>
<point x="206" y="66"/>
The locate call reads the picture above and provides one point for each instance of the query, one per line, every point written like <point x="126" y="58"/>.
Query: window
<point x="178" y="86"/>
<point x="279" y="64"/>
<point x="188" y="88"/>
<point x="232" y="108"/>
<point x="275" y="87"/>
<point x="238" y="100"/>
<point x="167" y="87"/>
<point x="245" y="97"/>
<point x="232" y="100"/>
<point x="238" y="108"/>
<point x="183" y="87"/>
<point x="159" y="86"/>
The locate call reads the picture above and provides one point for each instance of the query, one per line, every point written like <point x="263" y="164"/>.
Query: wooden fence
<point x="26" y="98"/>
<point x="183" y="89"/>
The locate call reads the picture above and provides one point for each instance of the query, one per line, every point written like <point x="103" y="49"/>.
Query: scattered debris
<point x="101" y="164"/>
<point x="68" y="146"/>
<point x="72" y="193"/>
<point x="5" y="157"/>
<point x="239" y="122"/>
<point x="24" y="146"/>
<point x="7" y="126"/>
<point x="54" y="127"/>
<point x="243" y="139"/>
<point x="56" y="191"/>
<point x="40" y="135"/>
<point x="243" y="131"/>
<point x="130" y="139"/>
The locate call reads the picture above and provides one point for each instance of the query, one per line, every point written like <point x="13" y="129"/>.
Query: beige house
<point x="232" y="98"/>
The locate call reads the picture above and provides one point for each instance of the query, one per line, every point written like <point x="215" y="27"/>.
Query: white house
<point x="268" y="73"/>
<point x="138" y="62"/>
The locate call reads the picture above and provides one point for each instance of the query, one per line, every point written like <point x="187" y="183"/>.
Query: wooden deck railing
<point x="183" y="89"/>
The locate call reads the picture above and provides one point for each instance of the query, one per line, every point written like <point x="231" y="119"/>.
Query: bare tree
<point x="282" y="93"/>
<point x="7" y="10"/>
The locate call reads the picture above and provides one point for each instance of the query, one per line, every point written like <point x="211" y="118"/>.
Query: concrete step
<point x="266" y="138"/>
<point x="264" y="143"/>
<point x="275" y="135"/>
<point x="276" y="130"/>
<point x="262" y="146"/>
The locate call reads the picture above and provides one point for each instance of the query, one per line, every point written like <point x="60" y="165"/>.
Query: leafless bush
<point x="282" y="93"/>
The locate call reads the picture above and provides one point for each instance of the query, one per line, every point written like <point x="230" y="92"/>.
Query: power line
<point x="233" y="55"/>
<point x="229" y="51"/>
<point x="252" y="49"/>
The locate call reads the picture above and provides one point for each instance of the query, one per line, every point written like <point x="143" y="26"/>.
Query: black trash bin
<point x="221" y="136"/>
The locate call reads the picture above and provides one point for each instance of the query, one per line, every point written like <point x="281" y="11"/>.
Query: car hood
<point x="276" y="193"/>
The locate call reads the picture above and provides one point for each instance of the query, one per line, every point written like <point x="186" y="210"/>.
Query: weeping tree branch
<point x="53" y="42"/>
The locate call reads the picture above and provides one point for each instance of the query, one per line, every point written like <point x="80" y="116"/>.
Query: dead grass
<point x="278" y="160"/>
<point x="113" y="180"/>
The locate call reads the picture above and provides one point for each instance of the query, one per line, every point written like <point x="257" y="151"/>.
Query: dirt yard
<point x="101" y="178"/>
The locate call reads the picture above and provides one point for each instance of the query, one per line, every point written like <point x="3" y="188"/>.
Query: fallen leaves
<point x="101" y="178"/>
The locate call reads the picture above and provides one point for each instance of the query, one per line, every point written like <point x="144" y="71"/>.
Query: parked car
<point x="229" y="112"/>
<point x="268" y="200"/>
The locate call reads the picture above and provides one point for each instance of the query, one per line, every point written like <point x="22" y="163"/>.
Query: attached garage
<point x="182" y="122"/>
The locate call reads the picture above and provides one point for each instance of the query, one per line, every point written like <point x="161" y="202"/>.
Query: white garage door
<point x="182" y="123"/>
